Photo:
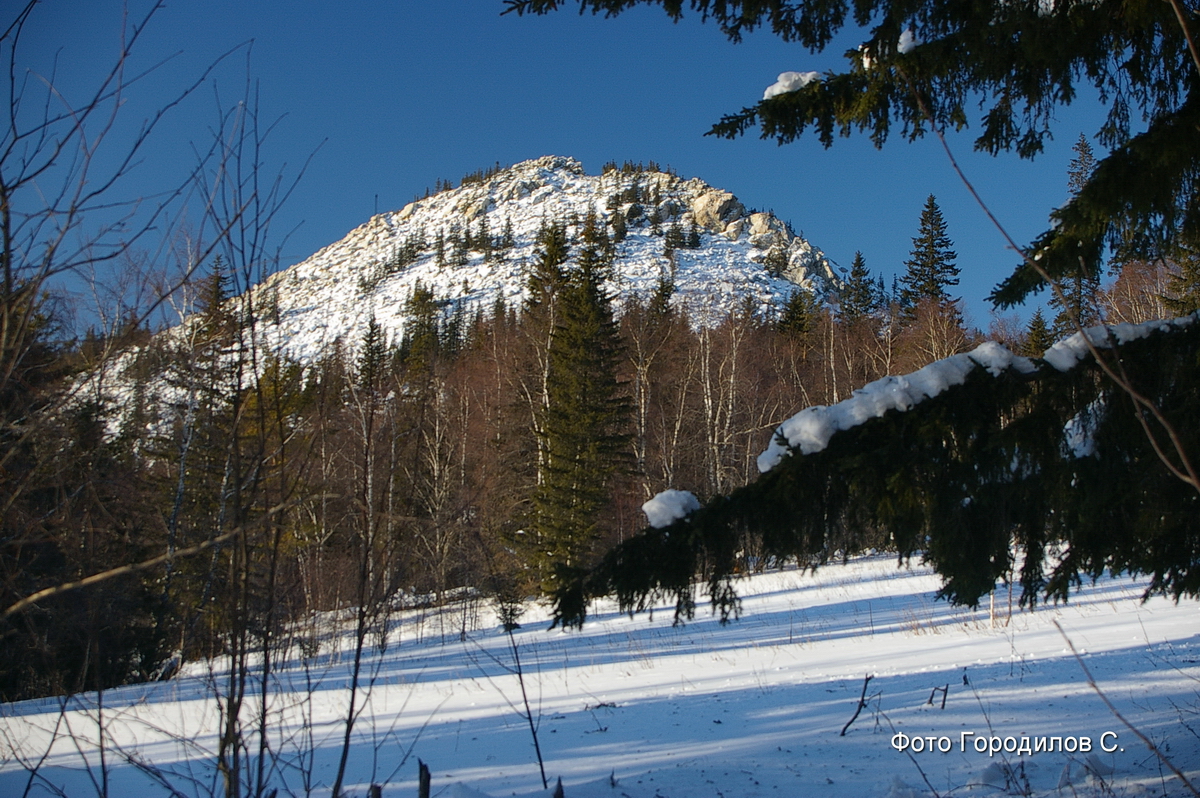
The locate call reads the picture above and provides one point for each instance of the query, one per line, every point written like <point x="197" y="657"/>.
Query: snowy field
<point x="753" y="708"/>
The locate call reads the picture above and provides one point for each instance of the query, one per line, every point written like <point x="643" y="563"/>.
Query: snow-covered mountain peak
<point x="473" y="245"/>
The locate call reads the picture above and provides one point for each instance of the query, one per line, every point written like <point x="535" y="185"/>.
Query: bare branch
<point x="1184" y="470"/>
<point x="1117" y="714"/>
<point x="121" y="570"/>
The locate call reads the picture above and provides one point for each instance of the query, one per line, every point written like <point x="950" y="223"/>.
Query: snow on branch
<point x="1065" y="354"/>
<point x="670" y="506"/>
<point x="790" y="81"/>
<point x="809" y="430"/>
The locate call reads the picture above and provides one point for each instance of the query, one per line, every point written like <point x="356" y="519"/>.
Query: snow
<point x="809" y="430"/>
<point x="334" y="293"/>
<point x="1068" y="352"/>
<point x="670" y="506"/>
<point x="790" y="81"/>
<point x="749" y="709"/>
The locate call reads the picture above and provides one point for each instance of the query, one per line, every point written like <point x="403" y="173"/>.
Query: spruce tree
<point x="546" y="277"/>
<point x="673" y="239"/>
<point x="586" y="419"/>
<point x="660" y="309"/>
<point x="372" y="356"/>
<point x="422" y="341"/>
<point x="930" y="267"/>
<point x="1080" y="286"/>
<point x="619" y="229"/>
<point x="655" y="220"/>
<point x="800" y="315"/>
<point x="1038" y="337"/>
<point x="1079" y="172"/>
<point x="860" y="295"/>
<point x="776" y="261"/>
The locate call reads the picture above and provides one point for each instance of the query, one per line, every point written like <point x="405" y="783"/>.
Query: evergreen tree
<point x="586" y="420"/>
<point x="371" y="357"/>
<point x="1079" y="172"/>
<point x="483" y="239"/>
<point x="800" y="314"/>
<point x="930" y="267"/>
<point x="422" y="341"/>
<point x="655" y="220"/>
<point x="693" y="236"/>
<point x="619" y="229"/>
<point x="1080" y="286"/>
<point x="217" y="319"/>
<point x="459" y="247"/>
<point x="439" y="250"/>
<point x="660" y="309"/>
<point x="860" y="295"/>
<point x="776" y="261"/>
<point x="1038" y="337"/>
<point x="546" y="278"/>
<point x="673" y="239"/>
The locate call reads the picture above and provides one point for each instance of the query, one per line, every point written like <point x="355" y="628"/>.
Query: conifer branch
<point x="1187" y="32"/>
<point x="1184" y="471"/>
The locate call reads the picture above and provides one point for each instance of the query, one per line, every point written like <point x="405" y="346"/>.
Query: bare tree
<point x="65" y="223"/>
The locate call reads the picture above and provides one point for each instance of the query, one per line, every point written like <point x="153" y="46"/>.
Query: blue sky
<point x="389" y="97"/>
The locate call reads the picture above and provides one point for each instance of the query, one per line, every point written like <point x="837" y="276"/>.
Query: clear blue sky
<point x="392" y="96"/>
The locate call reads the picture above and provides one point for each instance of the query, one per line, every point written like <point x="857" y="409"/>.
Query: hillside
<point x="703" y="710"/>
<point x="375" y="268"/>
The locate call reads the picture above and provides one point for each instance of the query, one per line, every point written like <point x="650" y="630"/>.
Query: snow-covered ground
<point x="753" y="708"/>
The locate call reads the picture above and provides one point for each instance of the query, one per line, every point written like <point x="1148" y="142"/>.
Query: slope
<point x="471" y="245"/>
<point x="750" y="708"/>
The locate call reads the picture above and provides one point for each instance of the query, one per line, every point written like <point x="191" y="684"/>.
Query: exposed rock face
<point x="742" y="256"/>
<point x="715" y="209"/>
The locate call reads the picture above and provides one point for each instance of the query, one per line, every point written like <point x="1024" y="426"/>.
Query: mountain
<point x="740" y="256"/>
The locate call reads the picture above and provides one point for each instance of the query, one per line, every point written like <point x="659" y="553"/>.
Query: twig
<point x="916" y="764"/>
<point x="1185" y="471"/>
<point x="528" y="712"/>
<point x="862" y="702"/>
<point x="1187" y="33"/>
<point x="1154" y="749"/>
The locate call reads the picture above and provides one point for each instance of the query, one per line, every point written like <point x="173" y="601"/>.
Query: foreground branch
<point x="129" y="568"/>
<point x="862" y="702"/>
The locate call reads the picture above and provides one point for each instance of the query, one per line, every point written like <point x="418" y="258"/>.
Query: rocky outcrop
<point x="715" y="209"/>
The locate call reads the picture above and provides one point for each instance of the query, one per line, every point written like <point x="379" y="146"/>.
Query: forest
<point x="481" y="455"/>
